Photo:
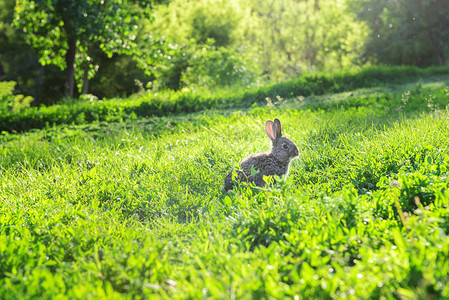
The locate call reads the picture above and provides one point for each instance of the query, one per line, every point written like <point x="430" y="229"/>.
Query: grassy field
<point x="148" y="104"/>
<point x="135" y="209"/>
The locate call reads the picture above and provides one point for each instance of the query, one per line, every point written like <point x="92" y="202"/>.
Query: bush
<point x="204" y="67"/>
<point x="11" y="102"/>
<point x="217" y="67"/>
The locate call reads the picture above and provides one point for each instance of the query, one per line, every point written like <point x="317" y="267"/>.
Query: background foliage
<point x="407" y="32"/>
<point x="211" y="44"/>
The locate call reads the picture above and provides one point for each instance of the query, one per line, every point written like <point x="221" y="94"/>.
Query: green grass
<point x="135" y="209"/>
<point x="147" y="104"/>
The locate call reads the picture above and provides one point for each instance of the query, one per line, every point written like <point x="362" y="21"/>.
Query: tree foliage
<point x="199" y="44"/>
<point x="412" y="32"/>
<point x="285" y="38"/>
<point x="199" y="22"/>
<point x="295" y="37"/>
<point x="65" y="32"/>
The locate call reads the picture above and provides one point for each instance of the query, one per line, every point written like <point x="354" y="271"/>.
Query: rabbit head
<point x="283" y="148"/>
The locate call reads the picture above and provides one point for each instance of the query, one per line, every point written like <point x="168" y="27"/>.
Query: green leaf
<point x="254" y="172"/>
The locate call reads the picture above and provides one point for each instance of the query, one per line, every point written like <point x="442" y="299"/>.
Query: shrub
<point x="11" y="102"/>
<point x="217" y="67"/>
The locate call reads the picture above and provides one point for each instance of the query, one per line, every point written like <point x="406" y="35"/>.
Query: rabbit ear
<point x="278" y="130"/>
<point x="270" y="130"/>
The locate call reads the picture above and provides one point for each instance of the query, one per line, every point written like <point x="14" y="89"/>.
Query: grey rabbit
<point x="275" y="162"/>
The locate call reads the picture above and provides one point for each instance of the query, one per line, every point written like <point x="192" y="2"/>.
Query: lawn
<point x="136" y="208"/>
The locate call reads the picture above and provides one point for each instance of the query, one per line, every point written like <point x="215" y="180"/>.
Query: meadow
<point x="135" y="208"/>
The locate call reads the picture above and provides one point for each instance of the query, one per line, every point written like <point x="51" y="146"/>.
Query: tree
<point x="305" y="36"/>
<point x="413" y="32"/>
<point x="20" y="63"/>
<point x="66" y="32"/>
<point x="198" y="43"/>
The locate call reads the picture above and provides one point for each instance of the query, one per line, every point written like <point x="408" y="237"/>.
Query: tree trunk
<point x="70" y="71"/>
<point x="440" y="57"/>
<point x="85" y="79"/>
<point x="2" y="70"/>
<point x="39" y="84"/>
<point x="437" y="50"/>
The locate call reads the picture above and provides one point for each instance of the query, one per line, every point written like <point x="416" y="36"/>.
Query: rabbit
<point x="275" y="162"/>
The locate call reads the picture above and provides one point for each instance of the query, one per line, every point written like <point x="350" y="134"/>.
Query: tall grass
<point x="149" y="104"/>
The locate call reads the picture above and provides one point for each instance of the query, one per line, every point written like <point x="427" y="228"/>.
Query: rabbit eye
<point x="285" y="146"/>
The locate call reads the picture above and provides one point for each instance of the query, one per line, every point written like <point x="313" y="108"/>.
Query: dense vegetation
<point x="135" y="208"/>
<point x="58" y="48"/>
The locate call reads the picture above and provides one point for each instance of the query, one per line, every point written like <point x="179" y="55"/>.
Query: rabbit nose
<point x="296" y="152"/>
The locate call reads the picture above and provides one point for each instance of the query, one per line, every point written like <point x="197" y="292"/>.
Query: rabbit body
<point x="275" y="162"/>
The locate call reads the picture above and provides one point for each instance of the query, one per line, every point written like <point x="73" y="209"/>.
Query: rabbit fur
<point x="275" y="162"/>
